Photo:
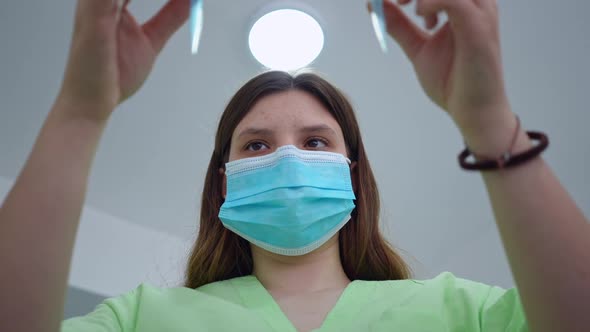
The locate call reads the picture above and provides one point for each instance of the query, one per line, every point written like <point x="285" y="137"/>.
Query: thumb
<point x="166" y="22"/>
<point x="408" y="35"/>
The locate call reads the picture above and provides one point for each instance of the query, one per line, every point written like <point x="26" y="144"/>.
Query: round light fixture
<point x="286" y="39"/>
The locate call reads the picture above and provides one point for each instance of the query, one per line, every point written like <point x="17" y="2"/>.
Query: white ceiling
<point x="152" y="158"/>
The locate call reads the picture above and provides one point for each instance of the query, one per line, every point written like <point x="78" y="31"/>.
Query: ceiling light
<point x="286" y="39"/>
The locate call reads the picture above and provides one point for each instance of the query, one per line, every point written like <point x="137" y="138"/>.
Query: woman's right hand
<point x="112" y="55"/>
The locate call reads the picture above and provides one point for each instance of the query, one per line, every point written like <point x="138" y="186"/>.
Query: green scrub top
<point x="444" y="303"/>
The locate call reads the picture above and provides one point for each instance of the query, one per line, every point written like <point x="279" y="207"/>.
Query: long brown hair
<point x="219" y="254"/>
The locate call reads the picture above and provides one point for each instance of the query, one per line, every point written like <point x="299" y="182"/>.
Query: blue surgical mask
<point x="289" y="202"/>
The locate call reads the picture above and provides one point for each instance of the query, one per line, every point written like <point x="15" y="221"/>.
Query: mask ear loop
<point x="221" y="171"/>
<point x="353" y="166"/>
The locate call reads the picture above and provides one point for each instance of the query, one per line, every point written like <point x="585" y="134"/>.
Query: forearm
<point x="545" y="235"/>
<point x="39" y="219"/>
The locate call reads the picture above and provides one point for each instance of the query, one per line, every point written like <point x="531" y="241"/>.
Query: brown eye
<point x="256" y="146"/>
<point x="316" y="143"/>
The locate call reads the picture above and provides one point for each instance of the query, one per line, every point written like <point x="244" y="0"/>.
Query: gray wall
<point x="79" y="302"/>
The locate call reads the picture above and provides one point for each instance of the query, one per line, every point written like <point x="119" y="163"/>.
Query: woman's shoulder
<point x="176" y="304"/>
<point x="452" y="297"/>
<point x="224" y="290"/>
<point x="444" y="280"/>
<point x="442" y="287"/>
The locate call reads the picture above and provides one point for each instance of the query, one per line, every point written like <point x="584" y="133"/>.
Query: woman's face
<point x="292" y="117"/>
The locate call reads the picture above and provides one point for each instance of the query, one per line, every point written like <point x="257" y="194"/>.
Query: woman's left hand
<point x="459" y="66"/>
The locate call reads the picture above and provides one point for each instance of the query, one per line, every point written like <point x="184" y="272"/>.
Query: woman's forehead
<point x="289" y="110"/>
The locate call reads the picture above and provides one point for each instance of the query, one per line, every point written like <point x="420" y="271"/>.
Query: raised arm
<point x="545" y="235"/>
<point x="109" y="60"/>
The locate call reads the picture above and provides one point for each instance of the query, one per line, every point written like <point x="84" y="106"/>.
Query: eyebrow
<point x="319" y="128"/>
<point x="252" y="131"/>
<point x="255" y="132"/>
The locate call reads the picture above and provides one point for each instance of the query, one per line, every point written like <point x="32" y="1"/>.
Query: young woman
<point x="289" y="235"/>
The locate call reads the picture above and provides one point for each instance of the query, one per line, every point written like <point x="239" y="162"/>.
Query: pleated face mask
<point x="289" y="202"/>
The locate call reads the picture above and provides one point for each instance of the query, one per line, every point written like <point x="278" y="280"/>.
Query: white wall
<point x="112" y="256"/>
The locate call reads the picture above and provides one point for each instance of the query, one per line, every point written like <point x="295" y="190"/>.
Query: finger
<point x="121" y="5"/>
<point x="127" y="21"/>
<point x="96" y="8"/>
<point x="408" y="35"/>
<point x="166" y="22"/>
<point x="481" y="3"/>
<point x="431" y="21"/>
<point x="95" y="16"/>
<point x="460" y="12"/>
<point x="490" y="6"/>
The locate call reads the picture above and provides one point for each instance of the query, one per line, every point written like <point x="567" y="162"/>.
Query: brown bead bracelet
<point x="506" y="160"/>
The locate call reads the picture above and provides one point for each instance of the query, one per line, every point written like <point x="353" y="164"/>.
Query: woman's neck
<point x="317" y="271"/>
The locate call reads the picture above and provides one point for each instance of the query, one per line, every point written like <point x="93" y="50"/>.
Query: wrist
<point x="491" y="136"/>
<point x="69" y="107"/>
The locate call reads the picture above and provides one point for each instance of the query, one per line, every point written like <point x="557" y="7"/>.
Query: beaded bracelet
<point x="507" y="159"/>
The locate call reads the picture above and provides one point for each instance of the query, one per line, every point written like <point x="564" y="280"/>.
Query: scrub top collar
<point x="255" y="297"/>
